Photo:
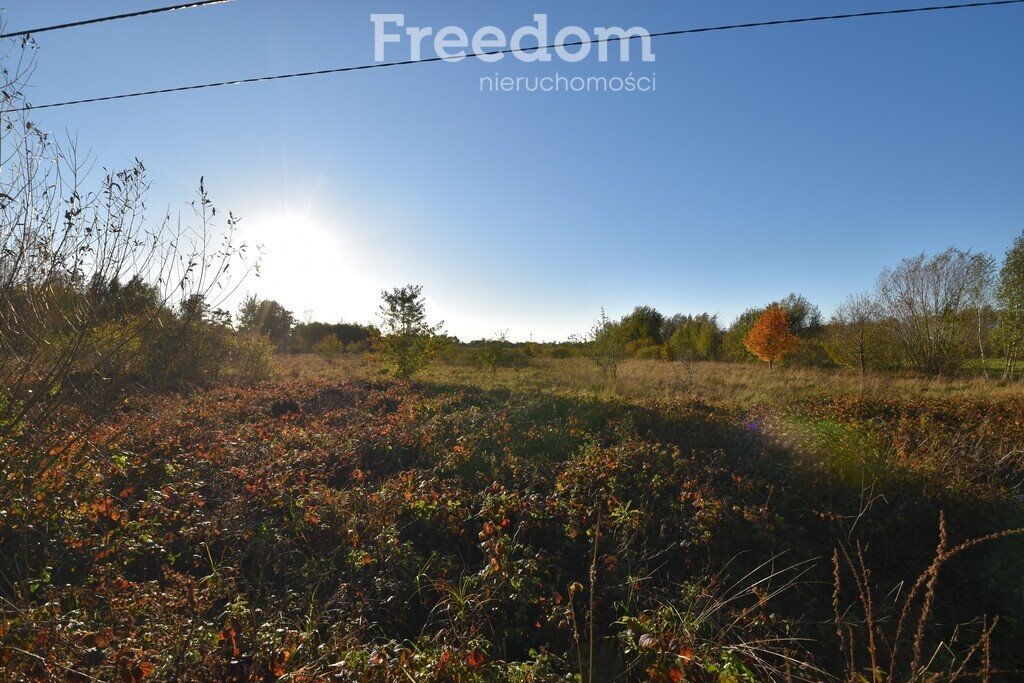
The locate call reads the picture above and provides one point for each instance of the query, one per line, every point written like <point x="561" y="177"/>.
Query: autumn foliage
<point x="770" y="339"/>
<point x="364" y="530"/>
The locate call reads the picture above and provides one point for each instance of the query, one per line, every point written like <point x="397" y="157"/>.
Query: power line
<point x="473" y="55"/>
<point x="115" y="17"/>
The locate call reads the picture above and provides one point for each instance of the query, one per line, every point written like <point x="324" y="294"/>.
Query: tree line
<point x="929" y="314"/>
<point x="932" y="314"/>
<point x="272" y="320"/>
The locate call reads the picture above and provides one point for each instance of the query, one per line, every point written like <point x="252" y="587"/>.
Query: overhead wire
<point x="521" y="50"/>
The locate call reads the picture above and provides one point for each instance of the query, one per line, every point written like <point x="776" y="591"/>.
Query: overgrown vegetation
<point x="190" y="497"/>
<point x="96" y="301"/>
<point x="361" y="530"/>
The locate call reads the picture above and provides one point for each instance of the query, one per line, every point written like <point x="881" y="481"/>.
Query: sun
<point x="306" y="263"/>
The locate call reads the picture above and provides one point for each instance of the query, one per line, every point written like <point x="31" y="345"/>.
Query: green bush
<point x="250" y="357"/>
<point x="605" y="345"/>
<point x="558" y="352"/>
<point x="329" y="348"/>
<point x="493" y="353"/>
<point x="361" y="346"/>
<point x="811" y="352"/>
<point x="696" y="338"/>
<point x="653" y="352"/>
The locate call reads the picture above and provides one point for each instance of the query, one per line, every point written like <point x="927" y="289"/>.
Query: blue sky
<point x="799" y="158"/>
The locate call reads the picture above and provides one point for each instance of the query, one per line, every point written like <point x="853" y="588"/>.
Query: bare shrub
<point x="93" y="298"/>
<point x="882" y="647"/>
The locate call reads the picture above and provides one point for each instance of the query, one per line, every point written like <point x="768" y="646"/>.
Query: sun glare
<point x="305" y="263"/>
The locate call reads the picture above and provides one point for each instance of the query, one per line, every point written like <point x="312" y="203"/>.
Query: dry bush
<point x="93" y="298"/>
<point x="901" y="645"/>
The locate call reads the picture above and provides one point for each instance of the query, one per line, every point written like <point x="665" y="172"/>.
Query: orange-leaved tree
<point x="770" y="338"/>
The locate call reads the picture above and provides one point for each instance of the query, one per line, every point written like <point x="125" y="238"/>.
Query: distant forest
<point x="936" y="315"/>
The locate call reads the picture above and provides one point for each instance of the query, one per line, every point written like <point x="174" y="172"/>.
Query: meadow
<point x="222" y="458"/>
<point x="686" y="521"/>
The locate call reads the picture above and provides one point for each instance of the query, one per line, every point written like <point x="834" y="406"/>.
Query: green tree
<point x="406" y="345"/>
<point x="266" y="317"/>
<point x="642" y="327"/>
<point x="306" y="335"/>
<point x="329" y="348"/>
<point x="805" y="318"/>
<point x="1010" y="295"/>
<point x="605" y="345"/>
<point x="495" y="352"/>
<point x="695" y="337"/>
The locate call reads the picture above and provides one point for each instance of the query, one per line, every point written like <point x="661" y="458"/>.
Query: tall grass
<point x="737" y="384"/>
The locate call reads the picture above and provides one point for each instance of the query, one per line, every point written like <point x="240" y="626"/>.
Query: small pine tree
<point x="406" y="344"/>
<point x="770" y="338"/>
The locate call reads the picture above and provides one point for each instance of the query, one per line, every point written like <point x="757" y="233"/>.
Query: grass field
<point x="741" y="384"/>
<point x="700" y="522"/>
